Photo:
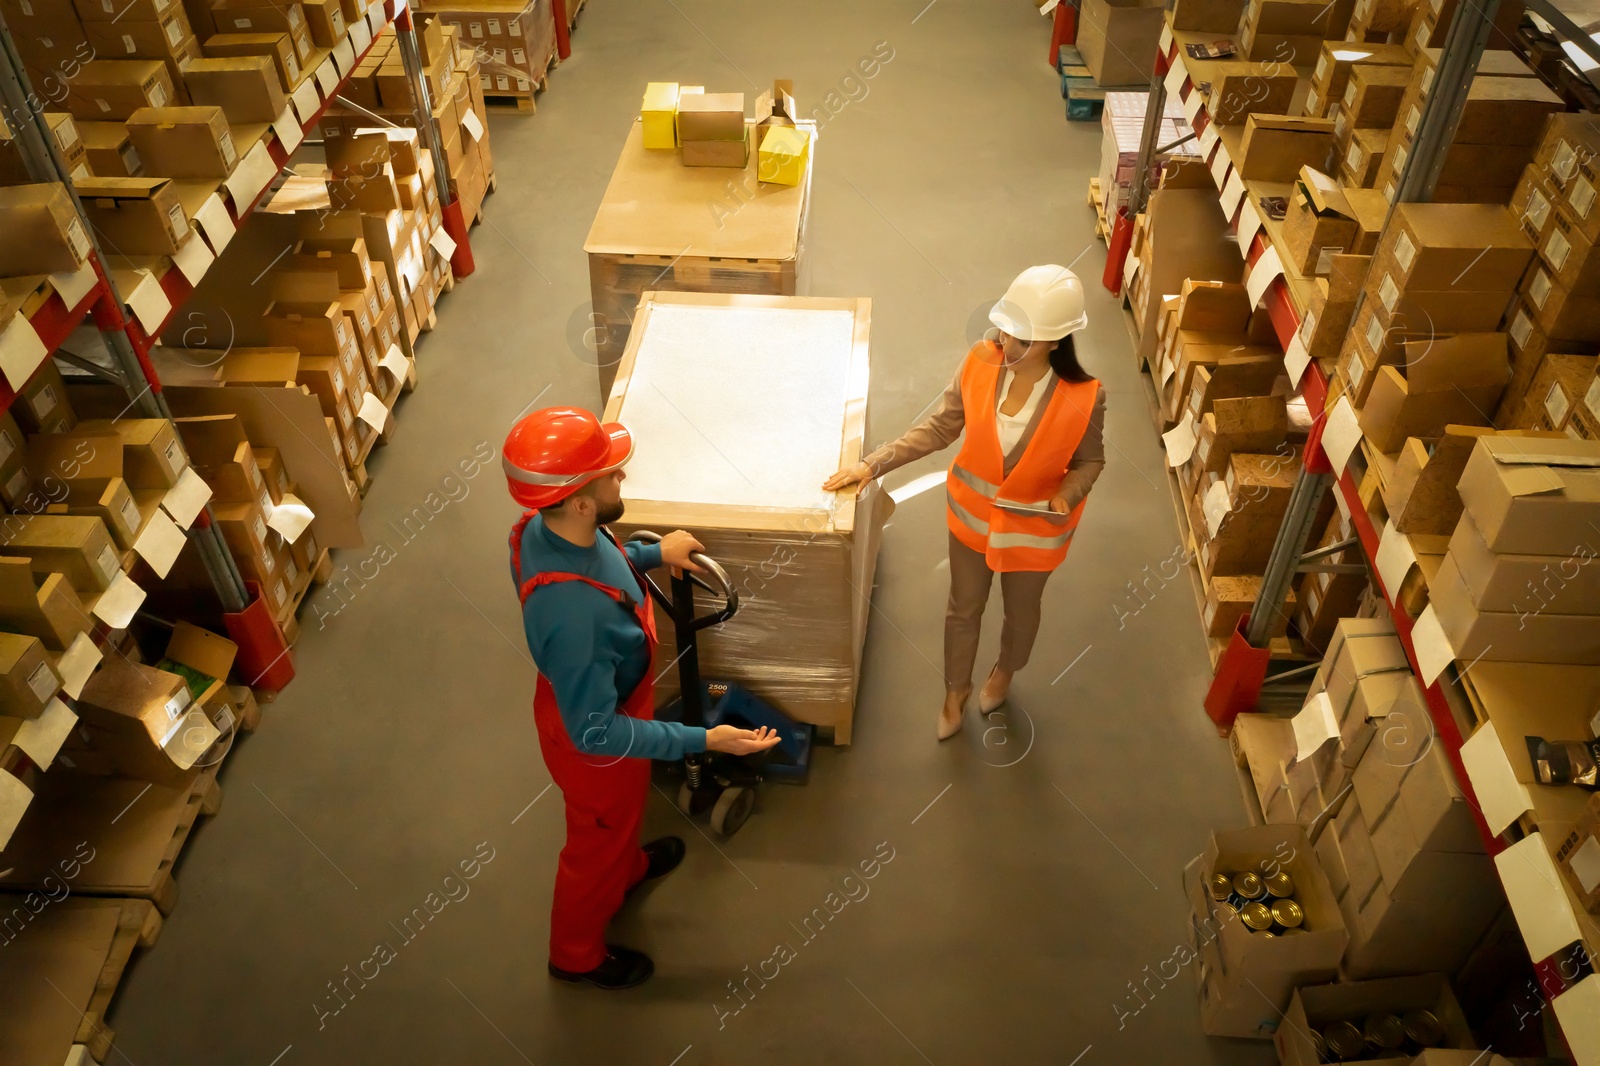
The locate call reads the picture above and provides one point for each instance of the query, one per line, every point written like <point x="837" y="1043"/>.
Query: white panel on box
<point x="306" y="101"/>
<point x="1534" y="890"/>
<point x="21" y="352"/>
<point x="699" y="440"/>
<point x="1502" y="798"/>
<point x="74" y="285"/>
<point x="1578" y="1011"/>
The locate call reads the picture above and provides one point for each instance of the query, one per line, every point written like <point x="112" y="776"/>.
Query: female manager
<point x="1015" y="493"/>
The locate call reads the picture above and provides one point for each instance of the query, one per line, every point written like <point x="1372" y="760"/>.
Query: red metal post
<point x="563" y="38"/>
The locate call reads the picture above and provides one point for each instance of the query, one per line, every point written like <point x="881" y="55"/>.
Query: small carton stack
<point x="1440" y="270"/>
<point x="1335" y="61"/>
<point x="711" y="129"/>
<point x="1363" y="119"/>
<point x="1379" y="21"/>
<point x="1404" y="858"/>
<point x="1500" y="125"/>
<point x="1556" y="396"/>
<point x="514" y="40"/>
<point x="1514" y="586"/>
<point x="265" y="17"/>
<point x="1325" y="221"/>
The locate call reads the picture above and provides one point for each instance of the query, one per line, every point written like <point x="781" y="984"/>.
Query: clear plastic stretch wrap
<point x="514" y="39"/>
<point x="740" y="407"/>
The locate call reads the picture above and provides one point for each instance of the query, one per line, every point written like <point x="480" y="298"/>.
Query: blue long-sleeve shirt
<point x="591" y="648"/>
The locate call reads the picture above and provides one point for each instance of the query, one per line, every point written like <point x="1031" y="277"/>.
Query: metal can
<point x="1280" y="885"/>
<point x="1344" y="1041"/>
<point x="1384" y="1031"/>
<point x="1287" y="913"/>
<point x="1248" y="885"/>
<point x="1422" y="1028"/>
<point x="1319" y="1045"/>
<point x="1225" y="911"/>
<point x="1221" y="885"/>
<point x="1257" y="916"/>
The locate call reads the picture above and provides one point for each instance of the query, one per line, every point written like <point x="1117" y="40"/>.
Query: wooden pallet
<point x="1097" y="200"/>
<point x="64" y="971"/>
<point x="512" y="101"/>
<point x="136" y="830"/>
<point x="574" y="9"/>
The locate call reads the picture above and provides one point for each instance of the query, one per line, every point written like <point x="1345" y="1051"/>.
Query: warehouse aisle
<point x="1027" y="876"/>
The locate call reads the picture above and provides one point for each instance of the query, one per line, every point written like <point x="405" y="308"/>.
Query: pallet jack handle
<point x="682" y="611"/>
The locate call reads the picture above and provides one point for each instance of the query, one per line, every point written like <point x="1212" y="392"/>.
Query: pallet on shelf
<point x="1097" y="200"/>
<point x="137" y="831"/>
<point x="61" y="970"/>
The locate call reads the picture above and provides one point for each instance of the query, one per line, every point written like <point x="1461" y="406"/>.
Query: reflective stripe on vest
<point x="1028" y="540"/>
<point x="970" y="520"/>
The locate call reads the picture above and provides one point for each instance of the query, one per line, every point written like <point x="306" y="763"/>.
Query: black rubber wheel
<point x="732" y="809"/>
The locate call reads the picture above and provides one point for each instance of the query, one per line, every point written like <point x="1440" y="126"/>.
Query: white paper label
<point x="130" y="514"/>
<point x="178" y="220"/>
<point x="158" y="95"/>
<point x="1539" y="289"/>
<point x="7" y="445"/>
<point x="1538" y="210"/>
<point x="42" y="682"/>
<point x="1350" y="94"/>
<point x="229" y="155"/>
<point x="1405" y="253"/>
<point x="1591" y="398"/>
<point x="1311" y="103"/>
<point x="1581" y="196"/>
<point x="108" y="564"/>
<point x="1413" y="118"/>
<point x="475" y="29"/>
<point x="175" y="706"/>
<point x="1308" y="328"/>
<point x="1521" y="328"/>
<point x="1556" y="404"/>
<point x="1389" y="293"/>
<point x="17" y="485"/>
<point x="44" y="401"/>
<point x="1352" y="158"/>
<point x="1374" y="335"/>
<point x="1564" y="162"/>
<point x="1556" y="249"/>
<point x="1356" y="371"/>
<point x="260" y="529"/>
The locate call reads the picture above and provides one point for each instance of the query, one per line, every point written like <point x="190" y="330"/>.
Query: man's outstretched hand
<point x="675" y="549"/>
<point x="734" y="741"/>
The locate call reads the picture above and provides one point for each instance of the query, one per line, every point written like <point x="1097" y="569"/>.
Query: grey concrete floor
<point x="1035" y="864"/>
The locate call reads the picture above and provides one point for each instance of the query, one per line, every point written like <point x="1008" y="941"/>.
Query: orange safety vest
<point x="1008" y="540"/>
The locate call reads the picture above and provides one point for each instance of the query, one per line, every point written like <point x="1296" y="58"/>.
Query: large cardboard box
<point x="1533" y="495"/>
<point x="152" y="455"/>
<point x="27" y="680"/>
<point x="143" y="720"/>
<point x="135" y="216"/>
<point x="76" y="546"/>
<point x="1277" y="147"/>
<point x="1447" y="381"/>
<point x="1444" y="246"/>
<point x="1247" y="979"/>
<point x="109" y="150"/>
<point x="184" y="142"/>
<point x="1118" y="39"/>
<point x="47" y="608"/>
<point x="1240" y="89"/>
<point x="246" y="88"/>
<point x="1579" y="856"/>
<point x="113" y="89"/>
<point x="1503" y="636"/>
<point x="1524" y="584"/>
<point x="277" y="47"/>
<point x="43" y="234"/>
<point x="1207" y="16"/>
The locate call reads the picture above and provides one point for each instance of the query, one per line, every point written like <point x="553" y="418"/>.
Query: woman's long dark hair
<point x="1064" y="361"/>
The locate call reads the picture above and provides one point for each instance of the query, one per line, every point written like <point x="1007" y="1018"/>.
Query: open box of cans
<point x="1264" y="922"/>
<point x="1392" y="1019"/>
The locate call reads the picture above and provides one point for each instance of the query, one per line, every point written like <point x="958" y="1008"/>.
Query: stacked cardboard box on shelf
<point x="1122" y="129"/>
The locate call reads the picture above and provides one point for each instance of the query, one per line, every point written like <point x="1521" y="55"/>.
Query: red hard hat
<point x="555" y="451"/>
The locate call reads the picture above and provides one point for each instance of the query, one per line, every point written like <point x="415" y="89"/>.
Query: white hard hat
<point x="1045" y="303"/>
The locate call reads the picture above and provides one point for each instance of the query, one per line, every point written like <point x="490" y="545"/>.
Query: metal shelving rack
<point x="1243" y="670"/>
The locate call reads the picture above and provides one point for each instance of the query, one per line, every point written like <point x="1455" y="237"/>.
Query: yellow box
<point x="659" y="114"/>
<point x="783" y="155"/>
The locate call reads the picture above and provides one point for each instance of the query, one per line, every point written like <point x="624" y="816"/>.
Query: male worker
<point x="592" y="632"/>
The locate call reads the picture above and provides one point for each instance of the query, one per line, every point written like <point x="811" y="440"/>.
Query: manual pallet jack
<point x="724" y="785"/>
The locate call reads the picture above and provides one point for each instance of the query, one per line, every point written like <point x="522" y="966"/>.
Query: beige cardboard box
<point x="183" y="142"/>
<point x="1276" y="147"/>
<point x="246" y="88"/>
<point x="1533" y="495"/>
<point x="1522" y="584"/>
<point x="1239" y="89"/>
<point x="143" y="720"/>
<point x="109" y="499"/>
<point x="152" y="455"/>
<point x="1237" y="960"/>
<point x="48" y="609"/>
<point x="77" y="547"/>
<point x="262" y="367"/>
<point x="105" y="90"/>
<point x="277" y="47"/>
<point x="1118" y="40"/>
<point x="1315" y="1007"/>
<point x="1579" y="856"/>
<point x="109" y="149"/>
<point x="1444" y="246"/>
<point x="1542" y="637"/>
<point x="1447" y="381"/>
<point x="136" y="216"/>
<point x="27" y="680"/>
<point x="43" y="232"/>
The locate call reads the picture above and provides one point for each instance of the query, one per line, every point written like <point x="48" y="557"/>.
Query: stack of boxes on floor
<point x="513" y="41"/>
<point x="451" y="71"/>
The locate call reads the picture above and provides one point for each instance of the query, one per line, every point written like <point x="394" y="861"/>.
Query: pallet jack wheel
<point x="732" y="809"/>
<point x="686" y="799"/>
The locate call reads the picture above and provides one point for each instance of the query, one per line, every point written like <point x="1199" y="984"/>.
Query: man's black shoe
<point x="622" y="968"/>
<point x="664" y="855"/>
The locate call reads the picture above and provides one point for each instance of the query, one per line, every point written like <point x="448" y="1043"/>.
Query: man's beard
<point x="607" y="513"/>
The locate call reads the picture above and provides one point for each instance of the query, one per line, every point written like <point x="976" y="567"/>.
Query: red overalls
<point x="605" y="796"/>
